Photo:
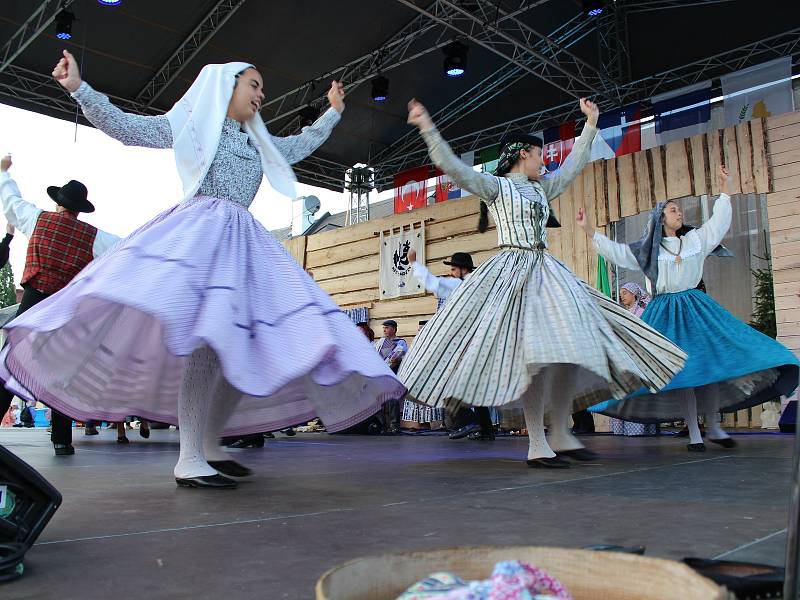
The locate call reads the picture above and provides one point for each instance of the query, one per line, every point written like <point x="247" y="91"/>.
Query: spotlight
<point x="593" y="7"/>
<point x="64" y="21"/>
<point x="308" y="114"/>
<point x="455" y="59"/>
<point x="380" y="88"/>
<point x="110" y="2"/>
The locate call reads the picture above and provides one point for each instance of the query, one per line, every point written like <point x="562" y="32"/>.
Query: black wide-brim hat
<point x="461" y="259"/>
<point x="71" y="196"/>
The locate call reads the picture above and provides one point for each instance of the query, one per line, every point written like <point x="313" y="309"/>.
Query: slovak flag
<point x="620" y="133"/>
<point x="411" y="189"/>
<point x="558" y="142"/>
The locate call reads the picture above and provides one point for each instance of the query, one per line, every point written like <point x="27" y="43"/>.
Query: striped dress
<point x="523" y="312"/>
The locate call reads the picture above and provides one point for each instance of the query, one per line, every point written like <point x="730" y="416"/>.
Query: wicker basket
<point x="587" y="575"/>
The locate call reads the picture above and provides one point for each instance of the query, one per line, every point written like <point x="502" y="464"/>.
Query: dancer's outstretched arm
<point x="556" y="182"/>
<point x="619" y="254"/>
<point x="131" y="130"/>
<point x="19" y="212"/>
<point x="483" y="185"/>
<point x="713" y="230"/>
<point x="441" y="287"/>
<point x="298" y="147"/>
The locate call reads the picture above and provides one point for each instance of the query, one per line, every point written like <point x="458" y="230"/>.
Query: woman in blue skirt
<point x="731" y="366"/>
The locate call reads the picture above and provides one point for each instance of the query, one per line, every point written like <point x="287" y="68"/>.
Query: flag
<point x="395" y="278"/>
<point x="763" y="90"/>
<point x="602" y="276"/>
<point x="489" y="158"/>
<point x="558" y="142"/>
<point x="446" y="188"/>
<point x="620" y="133"/>
<point x="682" y="113"/>
<point x="410" y="189"/>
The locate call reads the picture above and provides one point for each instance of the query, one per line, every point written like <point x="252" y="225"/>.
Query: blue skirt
<point x="748" y="366"/>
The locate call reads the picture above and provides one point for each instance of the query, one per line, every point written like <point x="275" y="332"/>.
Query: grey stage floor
<point x="124" y="528"/>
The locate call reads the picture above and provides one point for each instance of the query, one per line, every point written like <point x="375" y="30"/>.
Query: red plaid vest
<point x="59" y="248"/>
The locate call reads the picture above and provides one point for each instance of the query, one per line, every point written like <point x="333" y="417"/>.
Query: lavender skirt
<point x="114" y="341"/>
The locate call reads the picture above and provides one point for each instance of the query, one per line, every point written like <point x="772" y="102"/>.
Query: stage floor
<point x="317" y="500"/>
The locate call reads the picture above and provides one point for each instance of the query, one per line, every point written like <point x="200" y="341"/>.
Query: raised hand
<point x="9" y="229"/>
<point x="724" y="177"/>
<point x="582" y="219"/>
<point x="5" y="163"/>
<point x="412" y="256"/>
<point x="67" y="72"/>
<point x="418" y="116"/>
<point x="591" y="110"/>
<point x="336" y="96"/>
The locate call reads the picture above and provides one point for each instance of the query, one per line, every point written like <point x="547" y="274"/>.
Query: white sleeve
<point x="713" y="230"/>
<point x="19" y="213"/>
<point x="103" y="242"/>
<point x="619" y="254"/>
<point x="441" y="286"/>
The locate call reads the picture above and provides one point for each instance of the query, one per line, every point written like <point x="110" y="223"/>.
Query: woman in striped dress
<point x="523" y="329"/>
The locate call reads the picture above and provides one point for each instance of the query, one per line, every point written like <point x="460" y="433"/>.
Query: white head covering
<point x="196" y="122"/>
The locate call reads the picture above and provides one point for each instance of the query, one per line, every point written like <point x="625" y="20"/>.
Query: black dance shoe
<point x="465" y="431"/>
<point x="218" y="482"/>
<point x="230" y="468"/>
<point x="724" y="442"/>
<point x="701" y="447"/>
<point x="63" y="449"/>
<point x="582" y="454"/>
<point x="250" y="441"/>
<point x="547" y="463"/>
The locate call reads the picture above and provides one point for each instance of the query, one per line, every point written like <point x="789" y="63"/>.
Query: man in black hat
<point x="59" y="247"/>
<point x="461" y="267"/>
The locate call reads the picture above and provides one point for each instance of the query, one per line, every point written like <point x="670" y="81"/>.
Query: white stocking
<point x="710" y="396"/>
<point x="559" y="432"/>
<point x="193" y="410"/>
<point x="533" y="408"/>
<point x="690" y="414"/>
<point x="224" y="399"/>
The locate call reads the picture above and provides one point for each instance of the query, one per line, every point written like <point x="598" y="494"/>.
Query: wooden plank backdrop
<point x="764" y="156"/>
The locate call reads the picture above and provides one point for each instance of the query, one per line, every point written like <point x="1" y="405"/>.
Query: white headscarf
<point x="196" y="122"/>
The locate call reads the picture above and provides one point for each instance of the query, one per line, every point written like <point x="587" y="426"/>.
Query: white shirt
<point x="23" y="215"/>
<point x="442" y="287"/>
<point x="697" y="244"/>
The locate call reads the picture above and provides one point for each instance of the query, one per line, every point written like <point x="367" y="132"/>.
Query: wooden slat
<point x="699" y="165"/>
<point x="472" y="243"/>
<point x="644" y="183"/>
<point x="787" y="183"/>
<point x="584" y="195"/>
<point x="785" y="145"/>
<point x="744" y="150"/>
<point x="356" y="298"/>
<point x="714" y="159"/>
<point x="787" y="289"/>
<point x="785" y="235"/>
<point x="403" y="307"/>
<point x="786" y="248"/>
<point x="785" y="197"/>
<point x="791" y="301"/>
<point x="786" y="276"/>
<point x="627" y="186"/>
<point x="792" y="342"/>
<point x="613" y="190"/>
<point x="731" y="154"/>
<point x="776" y="134"/>
<point x="786" y="158"/>
<point x="787" y="315"/>
<point x="600" y="193"/>
<point x="568" y="227"/>
<point x="755" y="416"/>
<point x="554" y="236"/>
<point x="785" y="262"/>
<point x="791" y="118"/>
<point x="296" y="247"/>
<point x="678" y="181"/>
<point x="784" y="210"/>
<point x="365" y="264"/>
<point x="659" y="175"/>
<point x="789" y="329"/>
<point x="335" y="254"/>
<point x="742" y="418"/>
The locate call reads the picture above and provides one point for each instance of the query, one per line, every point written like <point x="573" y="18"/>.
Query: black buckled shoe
<point x="701" y="447"/>
<point x="63" y="449"/>
<point x="230" y="468"/>
<point x="547" y="463"/>
<point x="582" y="454"/>
<point x="218" y="482"/>
<point x="465" y="431"/>
<point x="481" y="436"/>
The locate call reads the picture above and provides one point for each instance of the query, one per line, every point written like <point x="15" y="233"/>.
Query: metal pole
<point x="791" y="585"/>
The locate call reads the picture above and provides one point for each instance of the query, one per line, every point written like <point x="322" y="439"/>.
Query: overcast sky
<point x="128" y="186"/>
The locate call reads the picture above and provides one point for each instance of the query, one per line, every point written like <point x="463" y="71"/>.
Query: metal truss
<point x="394" y="52"/>
<point x="478" y="95"/>
<point x="784" y="44"/>
<point x="37" y="23"/>
<point x="197" y="39"/>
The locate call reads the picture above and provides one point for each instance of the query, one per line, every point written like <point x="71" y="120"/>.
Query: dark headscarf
<point x="510" y="147"/>
<point x="647" y="248"/>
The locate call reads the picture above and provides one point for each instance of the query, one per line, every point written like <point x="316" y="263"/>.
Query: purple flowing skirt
<point x="114" y="341"/>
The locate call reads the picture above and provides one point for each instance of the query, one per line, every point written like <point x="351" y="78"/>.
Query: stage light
<point x="64" y="21"/>
<point x="593" y="7"/>
<point x="380" y="88"/>
<point x="455" y="59"/>
<point x="110" y="2"/>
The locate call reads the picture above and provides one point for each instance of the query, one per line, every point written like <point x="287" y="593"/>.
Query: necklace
<point x="678" y="259"/>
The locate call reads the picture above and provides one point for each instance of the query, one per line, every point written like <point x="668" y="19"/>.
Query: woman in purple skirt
<point x="200" y="317"/>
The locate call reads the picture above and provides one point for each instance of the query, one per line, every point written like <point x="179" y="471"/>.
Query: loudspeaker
<point x="27" y="503"/>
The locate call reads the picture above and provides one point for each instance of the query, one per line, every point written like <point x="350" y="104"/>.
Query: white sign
<point x="395" y="278"/>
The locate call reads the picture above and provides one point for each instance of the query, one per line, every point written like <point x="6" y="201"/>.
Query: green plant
<point x="8" y="295"/>
<point x="763" y="317"/>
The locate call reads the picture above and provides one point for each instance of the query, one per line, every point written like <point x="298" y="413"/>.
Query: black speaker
<point x="27" y="503"/>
